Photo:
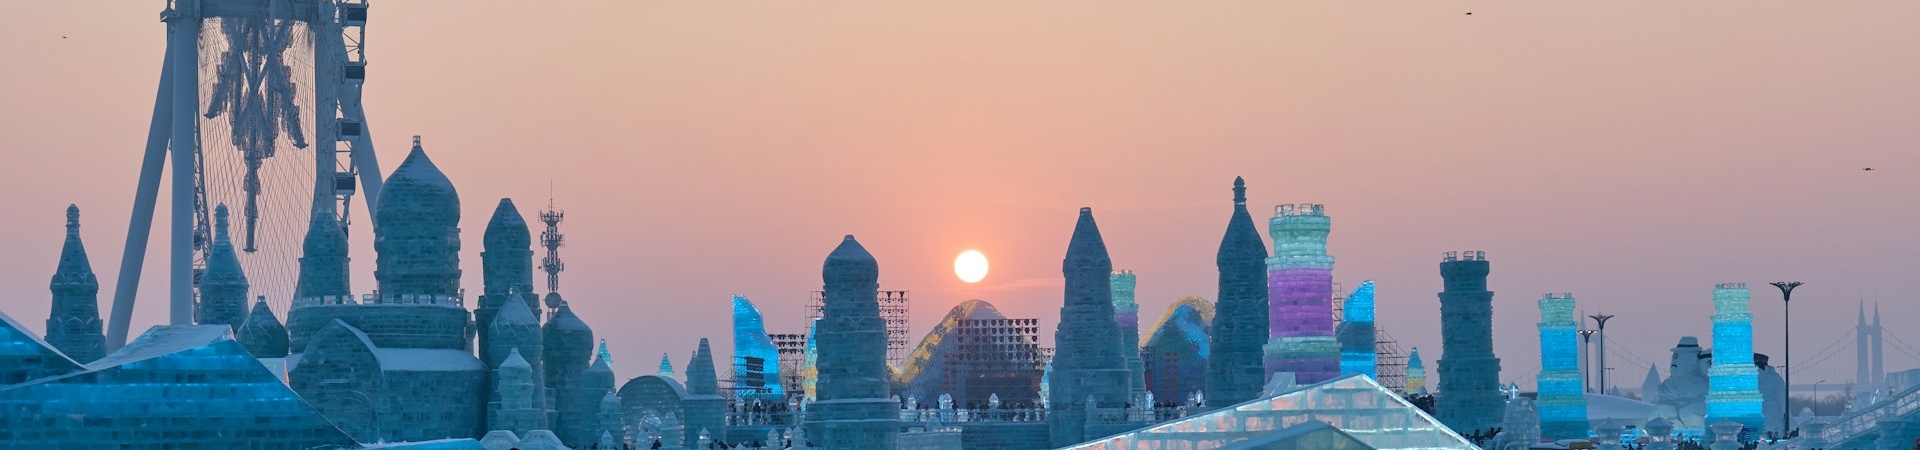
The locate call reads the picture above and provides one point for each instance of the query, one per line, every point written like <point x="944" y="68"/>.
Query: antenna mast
<point x="552" y="240"/>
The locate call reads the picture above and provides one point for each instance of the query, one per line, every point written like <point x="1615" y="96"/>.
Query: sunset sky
<point x="1633" y="153"/>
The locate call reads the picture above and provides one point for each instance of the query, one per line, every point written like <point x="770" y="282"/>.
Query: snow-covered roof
<point x="162" y="340"/>
<point x="426" y="360"/>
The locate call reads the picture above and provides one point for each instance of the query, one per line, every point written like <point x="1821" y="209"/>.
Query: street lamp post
<point x="1586" y="365"/>
<point x="1601" y="319"/>
<point x="1786" y="369"/>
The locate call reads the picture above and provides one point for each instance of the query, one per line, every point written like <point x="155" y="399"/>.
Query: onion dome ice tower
<point x="262" y="334"/>
<point x="853" y="411"/>
<point x="1235" y="370"/>
<point x="74" y="326"/>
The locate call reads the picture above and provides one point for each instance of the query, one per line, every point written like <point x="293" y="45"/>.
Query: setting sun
<point x="971" y="266"/>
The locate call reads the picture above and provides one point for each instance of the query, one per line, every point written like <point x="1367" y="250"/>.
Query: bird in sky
<point x="1869" y="169"/>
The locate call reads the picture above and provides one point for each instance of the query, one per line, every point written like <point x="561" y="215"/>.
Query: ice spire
<point x="701" y="377"/>
<point x="263" y="334"/>
<point x="506" y="261"/>
<point x="704" y="406"/>
<point x="323" y="263"/>
<point x="223" y="287"/>
<point x="666" y="366"/>
<point x="1236" y="372"/>
<point x="73" y="328"/>
<point x="602" y="354"/>
<point x="1088" y="364"/>
<point x="514" y="331"/>
<point x="1416" y="373"/>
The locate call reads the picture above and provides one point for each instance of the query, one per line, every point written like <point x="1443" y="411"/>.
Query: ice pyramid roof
<point x="1313" y="435"/>
<point x="162" y="340"/>
<point x="1356" y="404"/>
<point x="24" y="356"/>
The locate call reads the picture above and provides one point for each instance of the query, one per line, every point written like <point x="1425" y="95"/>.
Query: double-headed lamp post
<point x="1786" y="372"/>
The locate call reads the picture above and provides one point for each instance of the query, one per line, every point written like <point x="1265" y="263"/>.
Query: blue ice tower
<point x="1562" y="405"/>
<point x="1733" y="383"/>
<point x="1356" y="333"/>
<point x="756" y="364"/>
<point x="1416" y="373"/>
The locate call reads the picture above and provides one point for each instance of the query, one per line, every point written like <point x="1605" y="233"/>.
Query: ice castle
<point x="1562" y="406"/>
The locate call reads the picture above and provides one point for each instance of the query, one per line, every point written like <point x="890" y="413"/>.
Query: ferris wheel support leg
<point x="369" y="168"/>
<point x="186" y="99"/>
<point x="141" y="225"/>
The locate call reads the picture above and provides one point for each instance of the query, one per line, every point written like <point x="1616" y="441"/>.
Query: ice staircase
<point x="1853" y="426"/>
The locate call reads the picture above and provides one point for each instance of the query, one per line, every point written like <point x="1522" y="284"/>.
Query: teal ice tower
<point x="1469" y="397"/>
<point x="1562" y="405"/>
<point x="756" y="364"/>
<point x="1235" y="369"/>
<point x="1416" y="373"/>
<point x="1087" y="365"/>
<point x="1126" y="312"/>
<point x="853" y="411"/>
<point x="1733" y="383"/>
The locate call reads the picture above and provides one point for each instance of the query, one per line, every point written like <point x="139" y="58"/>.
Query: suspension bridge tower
<point x="247" y="88"/>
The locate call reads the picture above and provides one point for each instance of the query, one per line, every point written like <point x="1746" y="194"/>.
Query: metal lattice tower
<point x="552" y="240"/>
<point x="1391" y="361"/>
<point x="242" y="86"/>
<point x="894" y="309"/>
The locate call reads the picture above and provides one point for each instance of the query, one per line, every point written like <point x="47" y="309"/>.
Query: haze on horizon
<point x="1633" y="153"/>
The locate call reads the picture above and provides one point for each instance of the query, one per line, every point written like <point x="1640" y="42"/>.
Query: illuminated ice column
<point x="1356" y="333"/>
<point x="1562" y="405"/>
<point x="1733" y="384"/>
<point x="1126" y="312"/>
<point x="1416" y="373"/>
<point x="1300" y="296"/>
<point x="756" y="368"/>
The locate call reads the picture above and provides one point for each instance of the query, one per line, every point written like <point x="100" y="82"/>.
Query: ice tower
<point x="705" y="408"/>
<point x="506" y="268"/>
<point x="1235" y="371"/>
<point x="1300" y="292"/>
<point x="223" y="287"/>
<point x="1733" y="380"/>
<point x="1126" y="312"/>
<point x="262" y="334"/>
<point x="416" y="235"/>
<point x="1562" y="405"/>
<point x="1416" y="373"/>
<point x="1356" y="333"/>
<point x="74" y="326"/>
<point x="568" y="346"/>
<point x="1469" y="397"/>
<point x="1087" y="366"/>
<point x="515" y="333"/>
<point x="853" y="411"/>
<point x="756" y="364"/>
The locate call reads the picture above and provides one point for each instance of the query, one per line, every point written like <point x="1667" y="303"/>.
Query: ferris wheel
<point x="258" y="109"/>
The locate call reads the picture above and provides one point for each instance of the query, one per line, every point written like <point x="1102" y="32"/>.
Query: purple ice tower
<point x="1300" y="296"/>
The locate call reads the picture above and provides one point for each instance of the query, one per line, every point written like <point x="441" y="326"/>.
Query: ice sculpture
<point x="666" y="366"/>
<point x="1416" y="373"/>
<point x="1650" y="386"/>
<point x="514" y="331"/>
<point x="74" y="326"/>
<point x="1176" y="351"/>
<point x="506" y="261"/>
<point x="209" y="391"/>
<point x="756" y="364"/>
<point x="1773" y="395"/>
<point x="1682" y="399"/>
<point x="1126" y="312"/>
<point x="1734" y="383"/>
<point x="416" y="238"/>
<point x="1087" y="366"/>
<point x="1300" y="295"/>
<point x="1562" y="405"/>
<point x="854" y="411"/>
<point x="703" y="406"/>
<point x="516" y="410"/>
<point x="1520" y="428"/>
<point x="1356" y="333"/>
<point x="262" y="333"/>
<point x="1469" y="397"/>
<point x="1357" y="405"/>
<point x="566" y="346"/>
<point x="1236" y="370"/>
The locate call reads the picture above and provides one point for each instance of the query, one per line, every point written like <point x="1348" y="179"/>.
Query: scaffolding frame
<point x="895" y="310"/>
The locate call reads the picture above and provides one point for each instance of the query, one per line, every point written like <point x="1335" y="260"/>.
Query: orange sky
<point x="1631" y="152"/>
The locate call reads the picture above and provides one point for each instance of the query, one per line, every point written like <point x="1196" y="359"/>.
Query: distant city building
<point x="1176" y="351"/>
<point x="74" y="326"/>
<point x="1469" y="397"/>
<point x="1236" y="370"/>
<point x="1300" y="296"/>
<point x="1088" y="370"/>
